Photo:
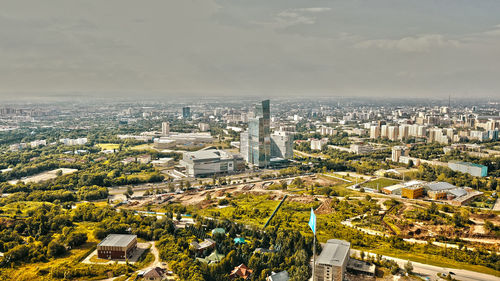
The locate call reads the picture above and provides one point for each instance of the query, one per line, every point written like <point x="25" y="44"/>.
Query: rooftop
<point x="440" y="185"/>
<point x="334" y="253"/>
<point x="117" y="240"/>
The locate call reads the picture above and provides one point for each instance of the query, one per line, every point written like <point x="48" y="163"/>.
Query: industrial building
<point x="210" y="162"/>
<point x="117" y="246"/>
<point x="332" y="262"/>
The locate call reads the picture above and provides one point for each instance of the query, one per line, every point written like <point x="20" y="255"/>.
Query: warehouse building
<point x="117" y="246"/>
<point x="469" y="168"/>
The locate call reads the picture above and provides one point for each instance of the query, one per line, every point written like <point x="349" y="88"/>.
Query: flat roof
<point x="334" y="253"/>
<point x="468" y="164"/>
<point x="117" y="240"/>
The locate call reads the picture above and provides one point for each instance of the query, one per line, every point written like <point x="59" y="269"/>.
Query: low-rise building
<point x="241" y="271"/>
<point x="117" y="246"/>
<point x="211" y="161"/>
<point x="469" y="168"/>
<point x="280" y="276"/>
<point x="332" y="262"/>
<point x="412" y="192"/>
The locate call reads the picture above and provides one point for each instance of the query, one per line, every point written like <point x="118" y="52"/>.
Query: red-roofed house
<point x="241" y="271"/>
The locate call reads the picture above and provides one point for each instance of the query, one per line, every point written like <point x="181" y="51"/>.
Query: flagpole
<point x="314" y="255"/>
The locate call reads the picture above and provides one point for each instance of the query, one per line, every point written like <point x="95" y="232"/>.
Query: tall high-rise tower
<point x="259" y="136"/>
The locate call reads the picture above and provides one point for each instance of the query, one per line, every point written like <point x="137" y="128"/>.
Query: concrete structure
<point x="361" y="267"/>
<point x="165" y="128"/>
<point x="282" y="145"/>
<point x="280" y="276"/>
<point x="437" y="195"/>
<point x="359" y="148"/>
<point x="78" y="141"/>
<point x="397" y="152"/>
<point x="318" y="144"/>
<point x="412" y="192"/>
<point x="469" y="168"/>
<point x="332" y="262"/>
<point x="210" y="162"/>
<point x="117" y="246"/>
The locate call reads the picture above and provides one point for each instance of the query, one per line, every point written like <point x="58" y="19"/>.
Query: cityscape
<point x="215" y="140"/>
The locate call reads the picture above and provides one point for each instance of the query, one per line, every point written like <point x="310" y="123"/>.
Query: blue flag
<point x="312" y="222"/>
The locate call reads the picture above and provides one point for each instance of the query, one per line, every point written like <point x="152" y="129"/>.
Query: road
<point x="431" y="271"/>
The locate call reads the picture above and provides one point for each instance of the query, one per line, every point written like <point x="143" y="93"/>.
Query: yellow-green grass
<point x="432" y="260"/>
<point x="33" y="271"/>
<point x="108" y="146"/>
<point x="141" y="147"/>
<point x="23" y="206"/>
<point x="381" y="182"/>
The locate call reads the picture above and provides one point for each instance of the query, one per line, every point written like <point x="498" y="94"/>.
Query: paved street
<point x="431" y="271"/>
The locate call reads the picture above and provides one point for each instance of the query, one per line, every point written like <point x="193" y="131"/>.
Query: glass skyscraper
<point x="259" y="136"/>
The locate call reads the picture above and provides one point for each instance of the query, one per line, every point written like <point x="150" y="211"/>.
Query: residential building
<point x="117" y="246"/>
<point x="282" y="145"/>
<point x="165" y="128"/>
<point x="397" y="152"/>
<point x="374" y="132"/>
<point x="152" y="274"/>
<point x="207" y="245"/>
<point x="318" y="144"/>
<point x="241" y="271"/>
<point x="332" y="262"/>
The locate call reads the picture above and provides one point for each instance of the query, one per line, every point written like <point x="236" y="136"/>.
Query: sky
<point x="383" y="48"/>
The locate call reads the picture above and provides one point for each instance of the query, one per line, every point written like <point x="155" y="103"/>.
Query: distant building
<point x="318" y="144"/>
<point x="186" y="112"/>
<point x="210" y="162"/>
<point x="255" y="143"/>
<point x="361" y="148"/>
<point x="117" y="246"/>
<point x="282" y="145"/>
<point x="204" y="127"/>
<point x="165" y="128"/>
<point x="78" y="141"/>
<point x="397" y="152"/>
<point x="332" y="263"/>
<point x="469" y="168"/>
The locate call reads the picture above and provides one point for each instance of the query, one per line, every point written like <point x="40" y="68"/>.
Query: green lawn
<point x="108" y="146"/>
<point x="381" y="182"/>
<point x="432" y="260"/>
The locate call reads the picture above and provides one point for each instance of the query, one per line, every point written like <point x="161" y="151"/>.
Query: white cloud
<point x="296" y="16"/>
<point x="420" y="43"/>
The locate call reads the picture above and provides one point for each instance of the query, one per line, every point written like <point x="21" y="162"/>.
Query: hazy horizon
<point x="217" y="48"/>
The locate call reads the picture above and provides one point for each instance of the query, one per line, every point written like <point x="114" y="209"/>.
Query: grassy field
<point x="142" y="147"/>
<point x="108" y="146"/>
<point x="381" y="182"/>
<point x="21" y="207"/>
<point x="432" y="260"/>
